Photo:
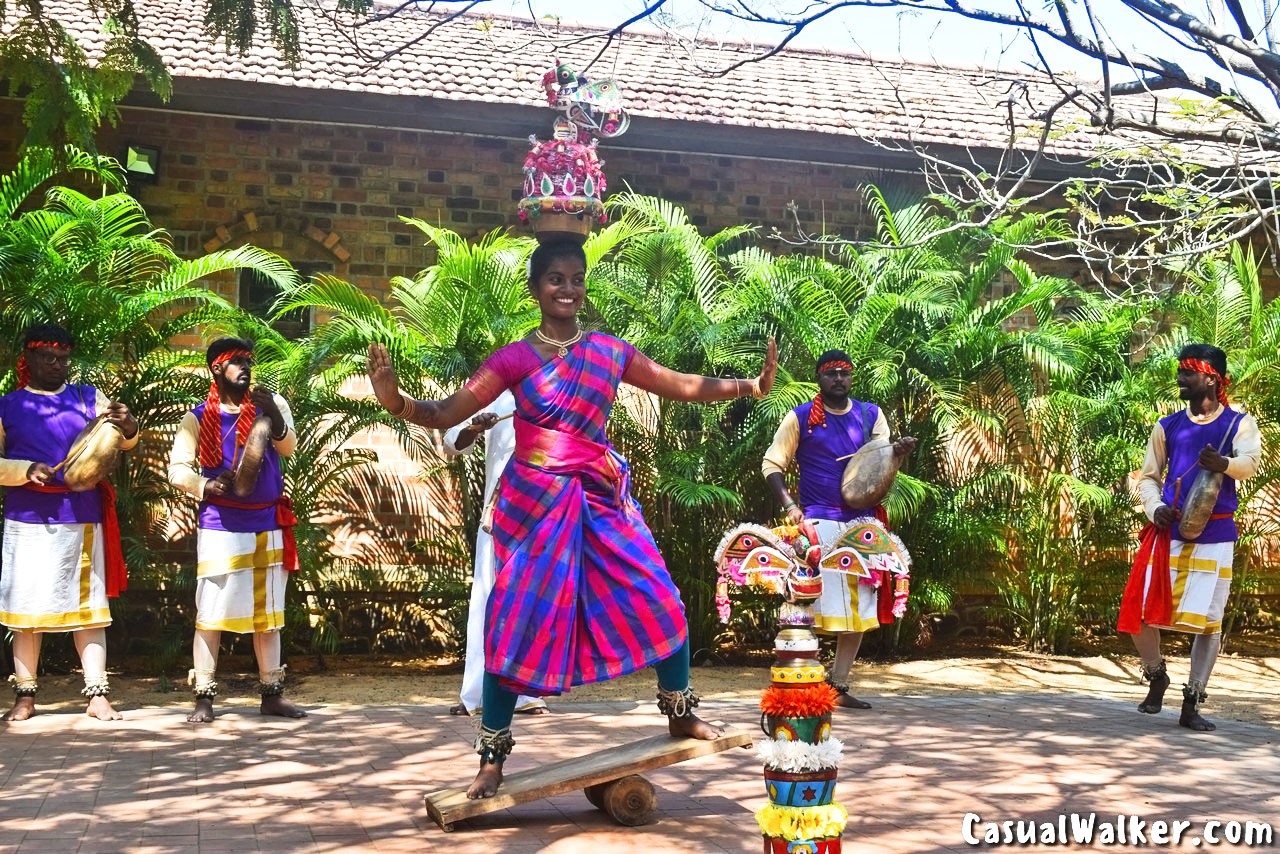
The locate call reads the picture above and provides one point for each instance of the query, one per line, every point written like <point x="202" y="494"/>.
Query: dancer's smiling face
<point x="561" y="288"/>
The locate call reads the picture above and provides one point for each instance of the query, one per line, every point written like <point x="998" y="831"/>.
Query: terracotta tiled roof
<point x="501" y="61"/>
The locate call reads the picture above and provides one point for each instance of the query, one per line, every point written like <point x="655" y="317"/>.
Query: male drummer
<point x="61" y="559"/>
<point x="244" y="543"/>
<point x="821" y="435"/>
<point x="1180" y="582"/>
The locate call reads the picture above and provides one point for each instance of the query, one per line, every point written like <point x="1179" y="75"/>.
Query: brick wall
<point x="334" y="193"/>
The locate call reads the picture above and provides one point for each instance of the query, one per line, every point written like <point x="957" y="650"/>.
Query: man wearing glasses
<point x="62" y="558"/>
<point x="819" y="435"/>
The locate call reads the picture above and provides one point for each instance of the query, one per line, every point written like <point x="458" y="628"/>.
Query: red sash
<point x="1153" y="551"/>
<point x="112" y="553"/>
<point x="284" y="518"/>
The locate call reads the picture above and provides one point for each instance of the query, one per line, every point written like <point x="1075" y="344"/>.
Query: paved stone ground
<point x="352" y="778"/>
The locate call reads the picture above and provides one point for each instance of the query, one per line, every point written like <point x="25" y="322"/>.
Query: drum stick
<point x="505" y="417"/>
<point x="854" y="454"/>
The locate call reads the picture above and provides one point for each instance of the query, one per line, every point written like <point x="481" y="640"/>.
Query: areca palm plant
<point x="439" y="326"/>
<point x="339" y="539"/>
<point x="696" y="467"/>
<point x="968" y="371"/>
<point x="97" y="266"/>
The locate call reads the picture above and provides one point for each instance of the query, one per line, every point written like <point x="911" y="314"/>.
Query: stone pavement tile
<point x="72" y="829"/>
<point x="356" y="839"/>
<point x="711" y="835"/>
<point x="25" y="801"/>
<point x="229" y="846"/>
<point x="396" y="845"/>
<point x="361" y="785"/>
<point x="879" y="837"/>
<point x="213" y="831"/>
<point x="174" y="825"/>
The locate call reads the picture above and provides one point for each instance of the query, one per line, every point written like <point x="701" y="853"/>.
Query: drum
<point x="1198" y="507"/>
<point x="245" y="480"/>
<point x="92" y="456"/>
<point x="869" y="474"/>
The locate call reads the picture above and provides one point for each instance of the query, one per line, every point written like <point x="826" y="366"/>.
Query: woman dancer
<point x="582" y="593"/>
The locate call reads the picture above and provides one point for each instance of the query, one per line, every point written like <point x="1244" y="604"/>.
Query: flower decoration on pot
<point x="564" y="181"/>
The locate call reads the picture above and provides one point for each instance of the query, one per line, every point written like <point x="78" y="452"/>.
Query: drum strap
<point x="112" y="552"/>
<point x="1229" y="435"/>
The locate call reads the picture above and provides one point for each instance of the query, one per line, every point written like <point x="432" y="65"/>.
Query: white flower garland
<point x="798" y="757"/>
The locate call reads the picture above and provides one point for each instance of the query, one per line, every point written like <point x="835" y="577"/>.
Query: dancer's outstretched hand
<point x="764" y="382"/>
<point x="383" y="377"/>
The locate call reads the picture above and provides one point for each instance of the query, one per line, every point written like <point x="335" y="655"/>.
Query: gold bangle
<point x="407" y="409"/>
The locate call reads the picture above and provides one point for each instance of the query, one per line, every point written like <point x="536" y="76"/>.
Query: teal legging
<point x="500" y="704"/>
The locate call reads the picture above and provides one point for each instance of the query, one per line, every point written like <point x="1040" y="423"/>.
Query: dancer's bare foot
<point x="459" y="710"/>
<point x="280" y="707"/>
<point x="534" y="710"/>
<point x="203" y="713"/>
<point x="100" y="708"/>
<point x="486" y="783"/>
<point x="23" y="708"/>
<point x="692" y="726"/>
<point x="848" y="701"/>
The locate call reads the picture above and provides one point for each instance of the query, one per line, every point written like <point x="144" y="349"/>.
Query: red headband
<point x="229" y="355"/>
<point x="818" y="413"/>
<point x="1200" y="366"/>
<point x="24" y="373"/>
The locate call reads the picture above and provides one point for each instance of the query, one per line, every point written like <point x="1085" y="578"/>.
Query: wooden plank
<point x="449" y="805"/>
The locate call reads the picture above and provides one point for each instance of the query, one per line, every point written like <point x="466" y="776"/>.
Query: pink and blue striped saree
<point x="582" y="593"/>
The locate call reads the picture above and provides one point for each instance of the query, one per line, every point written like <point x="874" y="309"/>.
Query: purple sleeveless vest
<point x="818" y="453"/>
<point x="270" y="486"/>
<point x="41" y="428"/>
<point x="1183" y="441"/>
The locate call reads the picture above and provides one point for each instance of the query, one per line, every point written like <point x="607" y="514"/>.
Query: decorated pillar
<point x="801" y="759"/>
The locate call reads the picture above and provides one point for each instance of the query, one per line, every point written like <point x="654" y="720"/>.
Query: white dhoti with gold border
<point x="53" y="577"/>
<point x="1200" y="578"/>
<point x="845" y="605"/>
<point x="240" y="581"/>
